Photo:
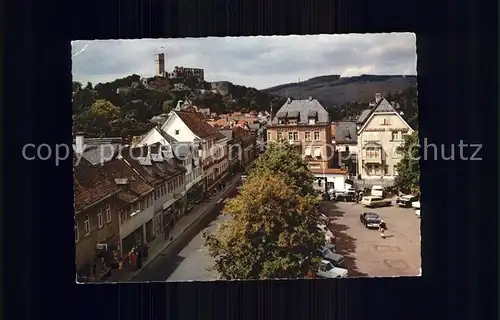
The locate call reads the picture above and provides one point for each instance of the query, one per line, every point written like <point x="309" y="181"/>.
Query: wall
<point x="376" y="130"/>
<point x="129" y="226"/>
<point x="109" y="233"/>
<point x="337" y="179"/>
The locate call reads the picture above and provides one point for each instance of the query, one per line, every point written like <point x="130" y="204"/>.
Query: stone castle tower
<point x="160" y="65"/>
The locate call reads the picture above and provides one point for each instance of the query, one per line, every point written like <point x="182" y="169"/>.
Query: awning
<point x="307" y="151"/>
<point x="317" y="152"/>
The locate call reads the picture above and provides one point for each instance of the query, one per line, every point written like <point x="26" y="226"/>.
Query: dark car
<point x="331" y="256"/>
<point x="370" y="219"/>
<point x="345" y="196"/>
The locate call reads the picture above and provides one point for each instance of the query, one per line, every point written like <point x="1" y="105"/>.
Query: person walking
<point x="382" y="234"/>
<point x="382" y="227"/>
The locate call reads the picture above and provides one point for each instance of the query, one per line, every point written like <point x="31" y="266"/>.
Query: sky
<point x="259" y="62"/>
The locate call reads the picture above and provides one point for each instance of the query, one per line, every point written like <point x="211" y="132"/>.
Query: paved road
<point x="366" y="253"/>
<point x="190" y="263"/>
<point x="194" y="259"/>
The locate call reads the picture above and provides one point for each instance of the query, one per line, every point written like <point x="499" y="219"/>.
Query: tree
<point x="272" y="234"/>
<point x="105" y="110"/>
<point x="408" y="178"/>
<point x="283" y="158"/>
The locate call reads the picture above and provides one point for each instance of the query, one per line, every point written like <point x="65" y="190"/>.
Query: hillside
<point x="332" y="90"/>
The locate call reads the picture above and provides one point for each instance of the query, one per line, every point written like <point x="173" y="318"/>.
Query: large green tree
<point x="408" y="178"/>
<point x="271" y="234"/>
<point x="283" y="158"/>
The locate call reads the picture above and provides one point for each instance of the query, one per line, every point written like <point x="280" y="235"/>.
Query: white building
<point x="380" y="131"/>
<point x="191" y="126"/>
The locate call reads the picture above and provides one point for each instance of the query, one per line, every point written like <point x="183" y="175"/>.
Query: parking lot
<point x="366" y="253"/>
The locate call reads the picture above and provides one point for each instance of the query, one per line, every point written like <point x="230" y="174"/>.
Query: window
<point x="312" y="121"/>
<point x="316" y="135"/>
<point x="395" y="170"/>
<point x="177" y="131"/>
<point x="99" y="218"/>
<point x="290" y="135"/>
<point x="76" y="231"/>
<point x="386" y="169"/>
<point x="395" y="135"/>
<point x="295" y="136"/>
<point x="385" y="122"/>
<point x="86" y="225"/>
<point x="269" y="135"/>
<point x="307" y="136"/>
<point x="279" y="136"/>
<point x="108" y="213"/>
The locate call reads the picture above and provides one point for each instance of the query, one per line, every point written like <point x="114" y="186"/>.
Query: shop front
<point x="194" y="195"/>
<point x="168" y="220"/>
<point x="132" y="240"/>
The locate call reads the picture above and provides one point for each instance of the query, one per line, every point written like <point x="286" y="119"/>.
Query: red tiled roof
<point x="91" y="184"/>
<point x="196" y="123"/>
<point x="135" y="188"/>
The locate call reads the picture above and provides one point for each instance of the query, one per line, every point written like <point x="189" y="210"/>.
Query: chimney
<point x="79" y="144"/>
<point x="378" y="97"/>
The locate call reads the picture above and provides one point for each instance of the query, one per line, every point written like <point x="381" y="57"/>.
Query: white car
<point x="327" y="270"/>
<point x="329" y="237"/>
<point x="417" y="213"/>
<point x="416" y="204"/>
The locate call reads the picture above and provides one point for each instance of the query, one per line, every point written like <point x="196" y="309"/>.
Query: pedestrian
<point x="382" y="234"/>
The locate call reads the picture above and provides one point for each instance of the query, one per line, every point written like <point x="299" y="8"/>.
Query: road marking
<point x="220" y="200"/>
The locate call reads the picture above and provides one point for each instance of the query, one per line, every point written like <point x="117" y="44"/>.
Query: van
<point x="375" y="201"/>
<point x="377" y="191"/>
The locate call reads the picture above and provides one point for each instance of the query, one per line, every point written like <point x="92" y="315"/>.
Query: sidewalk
<point x="159" y="244"/>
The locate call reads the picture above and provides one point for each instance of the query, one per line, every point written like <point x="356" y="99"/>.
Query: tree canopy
<point x="408" y="178"/>
<point x="283" y="158"/>
<point x="272" y="232"/>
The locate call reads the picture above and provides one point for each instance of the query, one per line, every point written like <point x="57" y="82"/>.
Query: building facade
<point x="304" y="124"/>
<point x="381" y="131"/>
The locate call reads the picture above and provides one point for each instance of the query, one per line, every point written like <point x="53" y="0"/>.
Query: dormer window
<point x="312" y="121"/>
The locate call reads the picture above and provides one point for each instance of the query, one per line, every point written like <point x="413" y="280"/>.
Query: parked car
<point x="329" y="237"/>
<point x="331" y="256"/>
<point x="375" y="201"/>
<point x="328" y="270"/>
<point x="406" y="200"/>
<point x="377" y="191"/>
<point x="346" y="196"/>
<point x="331" y="246"/>
<point x="417" y="213"/>
<point x="416" y="204"/>
<point x="370" y="219"/>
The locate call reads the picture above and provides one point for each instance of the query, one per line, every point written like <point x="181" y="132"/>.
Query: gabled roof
<point x="303" y="108"/>
<point x="383" y="106"/>
<point x="345" y="132"/>
<point x="165" y="135"/>
<point x="363" y="116"/>
<point x="91" y="185"/>
<point x="196" y="122"/>
<point x="96" y="154"/>
<point x="135" y="188"/>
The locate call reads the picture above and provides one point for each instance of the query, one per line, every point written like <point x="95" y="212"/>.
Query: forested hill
<point x="333" y="90"/>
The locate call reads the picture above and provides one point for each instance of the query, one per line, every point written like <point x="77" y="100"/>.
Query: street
<point x="188" y="264"/>
<point x="366" y="253"/>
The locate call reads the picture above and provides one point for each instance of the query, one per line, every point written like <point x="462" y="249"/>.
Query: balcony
<point x="372" y="153"/>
